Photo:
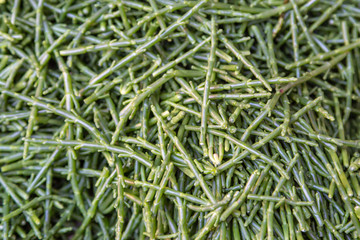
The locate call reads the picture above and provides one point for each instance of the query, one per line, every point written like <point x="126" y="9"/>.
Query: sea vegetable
<point x="165" y="119"/>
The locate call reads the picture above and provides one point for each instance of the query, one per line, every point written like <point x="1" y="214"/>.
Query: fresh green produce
<point x="173" y="119"/>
